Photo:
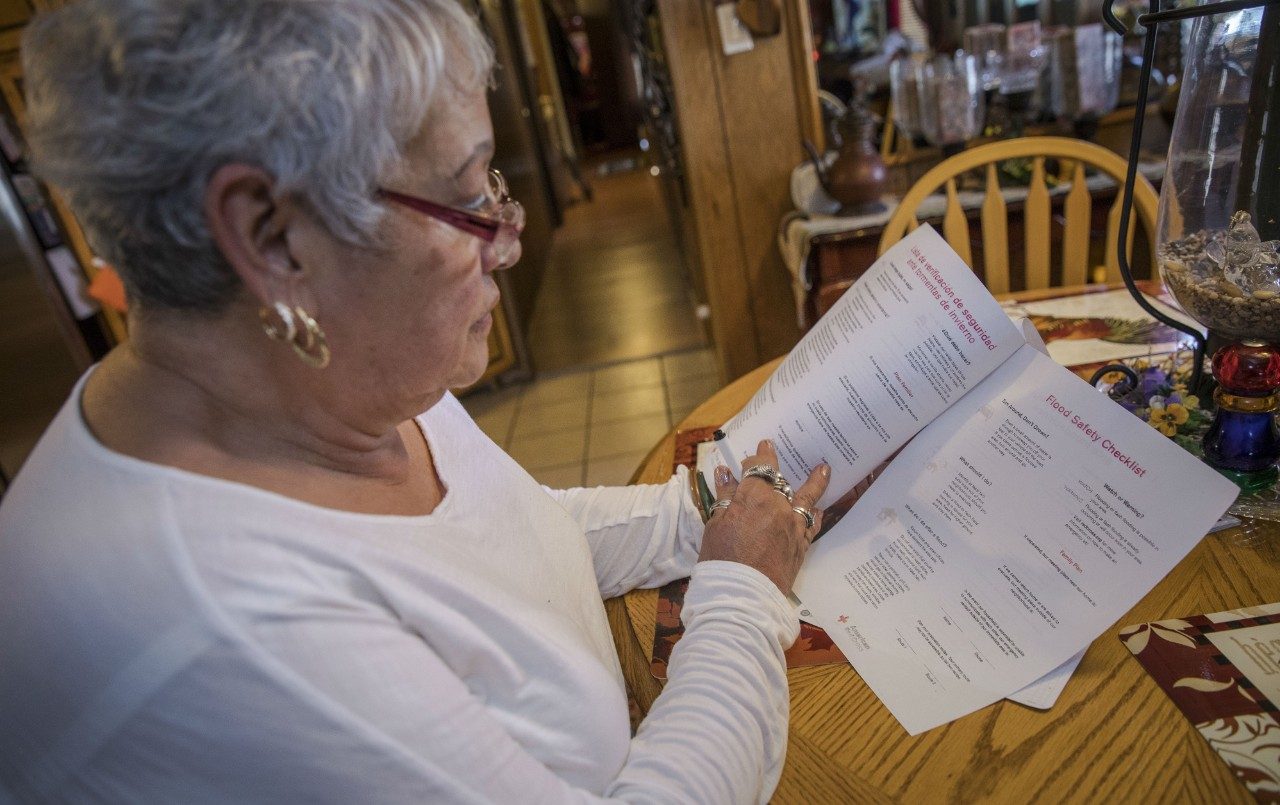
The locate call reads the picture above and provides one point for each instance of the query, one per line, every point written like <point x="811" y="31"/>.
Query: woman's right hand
<point x="759" y="528"/>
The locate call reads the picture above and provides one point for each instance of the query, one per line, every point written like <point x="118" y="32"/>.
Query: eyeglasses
<point x="499" y="223"/>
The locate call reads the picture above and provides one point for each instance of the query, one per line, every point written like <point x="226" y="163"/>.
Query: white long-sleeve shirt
<point x="171" y="637"/>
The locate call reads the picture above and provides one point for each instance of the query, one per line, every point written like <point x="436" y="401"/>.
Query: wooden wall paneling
<point x="692" y="43"/>
<point x="763" y="133"/>
<point x="804" y="72"/>
<point x="740" y="135"/>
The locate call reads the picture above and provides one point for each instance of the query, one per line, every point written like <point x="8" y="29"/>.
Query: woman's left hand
<point x="760" y="527"/>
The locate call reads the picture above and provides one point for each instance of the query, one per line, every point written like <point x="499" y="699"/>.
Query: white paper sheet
<point x="908" y="339"/>
<point x="1009" y="534"/>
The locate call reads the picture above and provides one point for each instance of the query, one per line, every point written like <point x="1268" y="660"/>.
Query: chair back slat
<point x="995" y="234"/>
<point x="955" y="225"/>
<point x="1075" y="238"/>
<point x="1036" y="235"/>
<point x="1066" y="170"/>
<point x="1074" y="158"/>
<point x="1113" y="236"/>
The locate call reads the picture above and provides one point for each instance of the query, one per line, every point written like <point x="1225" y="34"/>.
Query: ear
<point x="249" y="225"/>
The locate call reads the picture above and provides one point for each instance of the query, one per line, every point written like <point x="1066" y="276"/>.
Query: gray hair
<point x="132" y="105"/>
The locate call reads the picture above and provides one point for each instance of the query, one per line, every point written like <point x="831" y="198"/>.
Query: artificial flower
<point x="1152" y="380"/>
<point x="1167" y="418"/>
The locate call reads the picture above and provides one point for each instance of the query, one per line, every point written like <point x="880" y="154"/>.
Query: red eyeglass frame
<point x="472" y="223"/>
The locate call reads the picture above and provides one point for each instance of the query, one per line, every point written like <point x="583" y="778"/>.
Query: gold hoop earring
<point x="295" y="327"/>
<point x="309" y="342"/>
<point x="278" y="322"/>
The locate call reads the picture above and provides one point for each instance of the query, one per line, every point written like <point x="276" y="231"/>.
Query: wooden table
<point x="1113" y="736"/>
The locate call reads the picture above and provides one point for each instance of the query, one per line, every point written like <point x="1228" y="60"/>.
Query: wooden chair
<point x="1037" y="210"/>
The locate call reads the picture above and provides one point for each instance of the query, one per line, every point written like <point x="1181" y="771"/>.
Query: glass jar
<point x="951" y="101"/>
<point x="1218" y="235"/>
<point x="1023" y="59"/>
<point x="1084" y="71"/>
<point x="904" y="87"/>
<point x="986" y="43"/>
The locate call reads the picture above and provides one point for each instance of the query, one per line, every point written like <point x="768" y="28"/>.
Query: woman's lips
<point x="483" y="324"/>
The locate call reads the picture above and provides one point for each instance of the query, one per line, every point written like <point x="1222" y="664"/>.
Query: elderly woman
<point x="262" y="553"/>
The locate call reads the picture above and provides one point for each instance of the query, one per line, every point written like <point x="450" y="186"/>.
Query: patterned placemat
<point x="1223" y="672"/>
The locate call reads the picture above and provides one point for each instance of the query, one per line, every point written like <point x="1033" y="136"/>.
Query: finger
<point x="810" y="532"/>
<point x="811" y="491"/>
<point x="726" y="484"/>
<point x="765" y="454"/>
<point x="808" y="495"/>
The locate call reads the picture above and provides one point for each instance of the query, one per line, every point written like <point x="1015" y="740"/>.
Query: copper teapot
<point x="857" y="177"/>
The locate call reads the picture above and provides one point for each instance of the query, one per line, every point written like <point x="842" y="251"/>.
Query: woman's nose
<point x="502" y="256"/>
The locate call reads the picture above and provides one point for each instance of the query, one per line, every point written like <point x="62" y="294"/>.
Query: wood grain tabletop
<point x="1113" y="736"/>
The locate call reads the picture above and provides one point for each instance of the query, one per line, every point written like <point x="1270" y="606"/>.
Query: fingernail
<point x="824" y="470"/>
<point x="722" y="475"/>
<point x="767" y="443"/>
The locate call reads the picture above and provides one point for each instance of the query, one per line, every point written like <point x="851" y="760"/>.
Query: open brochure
<point x="1023" y="512"/>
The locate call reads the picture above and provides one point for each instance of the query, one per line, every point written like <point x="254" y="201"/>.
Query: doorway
<point x="619" y="353"/>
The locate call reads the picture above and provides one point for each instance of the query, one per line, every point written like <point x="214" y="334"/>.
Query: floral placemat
<point x="1223" y="672"/>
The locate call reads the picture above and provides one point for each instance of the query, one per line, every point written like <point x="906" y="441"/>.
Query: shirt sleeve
<point x="718" y="730"/>
<point x="717" y="734"/>
<point x="640" y="536"/>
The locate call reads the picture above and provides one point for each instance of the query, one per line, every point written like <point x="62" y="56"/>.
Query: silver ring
<point x="806" y="514"/>
<point x="766" y="472"/>
<point x="719" y="504"/>
<point x="785" y="489"/>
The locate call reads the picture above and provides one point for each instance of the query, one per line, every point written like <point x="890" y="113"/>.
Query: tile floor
<point x="614" y="287"/>
<point x="593" y="426"/>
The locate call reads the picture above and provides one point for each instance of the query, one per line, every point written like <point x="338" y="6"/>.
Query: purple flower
<point x="1152" y="380"/>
